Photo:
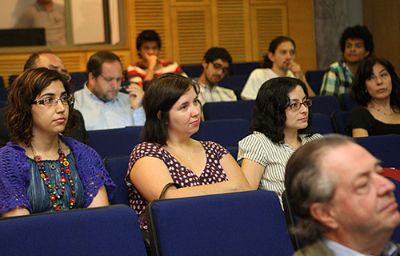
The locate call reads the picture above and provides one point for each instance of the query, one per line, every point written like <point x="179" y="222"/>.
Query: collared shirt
<point x="339" y="249"/>
<point x="256" y="79"/>
<point x="115" y="113"/>
<point x="337" y="80"/>
<point x="215" y="94"/>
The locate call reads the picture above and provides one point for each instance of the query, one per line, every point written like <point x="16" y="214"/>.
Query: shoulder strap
<point x="166" y="187"/>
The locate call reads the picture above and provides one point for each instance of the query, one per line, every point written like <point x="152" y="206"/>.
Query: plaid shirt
<point x="337" y="80"/>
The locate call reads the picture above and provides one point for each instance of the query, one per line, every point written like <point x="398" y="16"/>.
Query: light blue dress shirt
<point x="338" y="249"/>
<point x="100" y="115"/>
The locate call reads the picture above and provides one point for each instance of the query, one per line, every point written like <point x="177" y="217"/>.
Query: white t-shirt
<point x="256" y="80"/>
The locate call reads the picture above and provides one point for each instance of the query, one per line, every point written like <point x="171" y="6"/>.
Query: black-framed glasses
<point x="297" y="105"/>
<point x="52" y="101"/>
<point x="219" y="66"/>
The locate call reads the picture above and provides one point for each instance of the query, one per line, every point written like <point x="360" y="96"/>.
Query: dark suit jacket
<point x="75" y="127"/>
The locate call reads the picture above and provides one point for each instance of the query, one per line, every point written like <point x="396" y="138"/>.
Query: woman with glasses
<point x="376" y="89"/>
<point x="280" y="125"/>
<point x="41" y="170"/>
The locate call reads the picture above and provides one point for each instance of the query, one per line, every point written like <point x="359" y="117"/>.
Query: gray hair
<point x="307" y="183"/>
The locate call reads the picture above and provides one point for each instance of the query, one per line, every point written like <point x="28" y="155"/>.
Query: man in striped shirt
<point x="150" y="66"/>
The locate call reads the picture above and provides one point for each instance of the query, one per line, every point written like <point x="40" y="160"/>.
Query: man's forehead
<point x="48" y="59"/>
<point x="347" y="160"/>
<point x="222" y="62"/>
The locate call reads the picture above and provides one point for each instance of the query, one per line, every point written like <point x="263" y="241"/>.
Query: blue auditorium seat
<point x="244" y="68"/>
<point x="314" y="79"/>
<point x="117" y="167"/>
<point x="229" y="110"/>
<point x="11" y="79"/>
<point x="347" y="103"/>
<point x="321" y="123"/>
<point x="325" y="104"/>
<point x="226" y="132"/>
<point x="97" y="231"/>
<point x="114" y="142"/>
<point x="3" y="90"/>
<point x="78" y="79"/>
<point x="246" y="223"/>
<point x="383" y="147"/>
<point x="192" y="70"/>
<point x="339" y="120"/>
<point x="235" y="83"/>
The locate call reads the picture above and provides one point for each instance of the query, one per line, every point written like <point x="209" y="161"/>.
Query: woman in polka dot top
<point x="168" y="154"/>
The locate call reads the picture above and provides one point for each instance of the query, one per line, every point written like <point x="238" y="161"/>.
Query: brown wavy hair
<point x="23" y="91"/>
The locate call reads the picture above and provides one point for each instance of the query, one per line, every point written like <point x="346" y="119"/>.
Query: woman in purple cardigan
<point x="40" y="170"/>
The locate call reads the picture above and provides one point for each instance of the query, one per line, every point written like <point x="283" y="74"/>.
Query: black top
<point x="360" y="117"/>
<point x="75" y="127"/>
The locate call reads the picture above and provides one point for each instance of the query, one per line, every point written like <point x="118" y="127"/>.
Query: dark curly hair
<point x="273" y="45"/>
<point x="357" y="32"/>
<point x="269" y="113"/>
<point x="23" y="91"/>
<point x="161" y="95"/>
<point x="359" y="91"/>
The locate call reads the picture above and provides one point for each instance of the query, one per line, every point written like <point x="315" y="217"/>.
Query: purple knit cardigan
<point x="15" y="177"/>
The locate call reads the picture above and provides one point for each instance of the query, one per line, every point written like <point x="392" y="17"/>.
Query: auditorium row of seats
<point x="235" y="80"/>
<point x="245" y="223"/>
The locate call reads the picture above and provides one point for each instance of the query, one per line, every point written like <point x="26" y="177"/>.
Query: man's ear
<point x="159" y="115"/>
<point x="271" y="56"/>
<point x="204" y="64"/>
<point x="322" y="213"/>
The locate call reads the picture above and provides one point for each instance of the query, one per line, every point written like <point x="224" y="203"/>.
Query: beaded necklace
<point x="57" y="191"/>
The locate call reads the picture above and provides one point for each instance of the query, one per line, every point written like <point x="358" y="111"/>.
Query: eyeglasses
<point x="220" y="67"/>
<point x="297" y="105"/>
<point x="110" y="79"/>
<point x="52" y="101"/>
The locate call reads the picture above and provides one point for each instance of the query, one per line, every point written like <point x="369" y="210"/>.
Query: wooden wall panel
<point x="267" y="22"/>
<point x="383" y="20"/>
<point x="302" y="30"/>
<point x="150" y="14"/>
<point x="191" y="32"/>
<point x="74" y="61"/>
<point x="233" y="31"/>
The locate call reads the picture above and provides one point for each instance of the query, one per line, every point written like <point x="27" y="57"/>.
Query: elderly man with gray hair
<point x="344" y="205"/>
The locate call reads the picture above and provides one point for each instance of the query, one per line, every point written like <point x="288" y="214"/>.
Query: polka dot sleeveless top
<point x="184" y="177"/>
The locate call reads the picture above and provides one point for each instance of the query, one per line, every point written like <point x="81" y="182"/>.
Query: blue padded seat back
<point x="225" y="132"/>
<point x="383" y="147"/>
<point x="98" y="231"/>
<point x="314" y="79"/>
<point x="246" y="223"/>
<point x="229" y="110"/>
<point x="321" y="123"/>
<point x="340" y="122"/>
<point x="114" y="142"/>
<point x="118" y="167"/>
<point x="325" y="105"/>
